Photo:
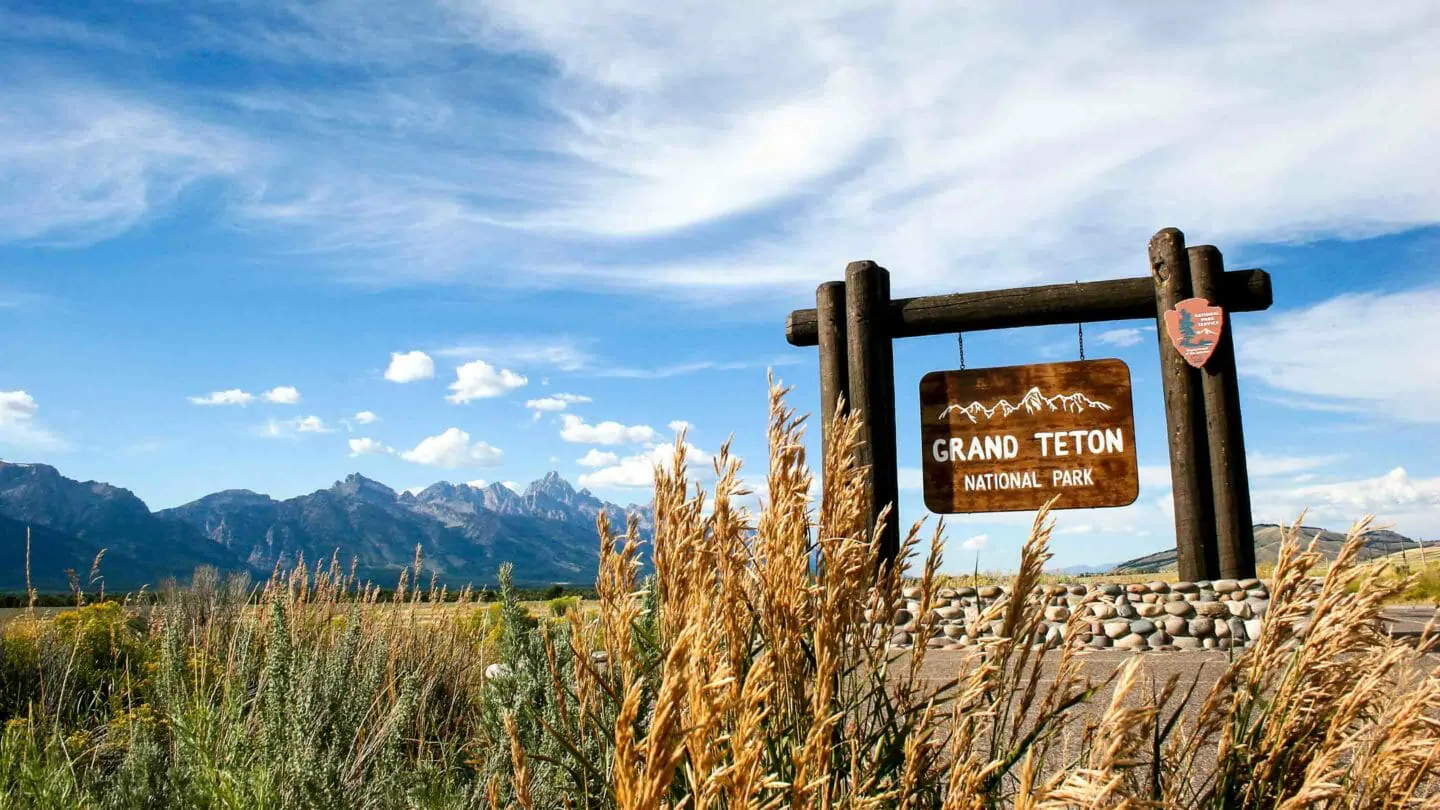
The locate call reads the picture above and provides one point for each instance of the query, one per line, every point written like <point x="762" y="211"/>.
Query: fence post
<point x="1197" y="556"/>
<point x="834" y="358"/>
<point x="872" y="392"/>
<point x="1229" y="476"/>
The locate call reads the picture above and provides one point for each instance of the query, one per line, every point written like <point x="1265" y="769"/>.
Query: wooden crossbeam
<point x="1089" y="302"/>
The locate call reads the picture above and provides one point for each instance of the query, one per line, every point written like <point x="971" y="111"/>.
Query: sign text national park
<point x="1010" y="439"/>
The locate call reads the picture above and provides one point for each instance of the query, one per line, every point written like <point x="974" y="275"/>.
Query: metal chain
<point x="1080" y="327"/>
<point x="960" y="337"/>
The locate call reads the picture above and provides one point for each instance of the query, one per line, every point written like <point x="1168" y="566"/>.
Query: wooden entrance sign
<point x="855" y="322"/>
<point x="1010" y="439"/>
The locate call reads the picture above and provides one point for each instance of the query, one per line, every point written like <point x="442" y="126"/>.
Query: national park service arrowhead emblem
<point x="1194" y="328"/>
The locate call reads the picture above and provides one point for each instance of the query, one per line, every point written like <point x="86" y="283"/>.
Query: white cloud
<point x="480" y="380"/>
<point x="1121" y="338"/>
<point x="574" y="429"/>
<point x="365" y="418"/>
<point x="911" y="479"/>
<point x="233" y="396"/>
<point x="638" y="471"/>
<point x="976" y="542"/>
<point x="1263" y="465"/>
<point x="678" y="425"/>
<point x="312" y="424"/>
<point x="478" y="483"/>
<point x="368" y="447"/>
<point x="1363" y="351"/>
<point x="283" y="395"/>
<point x="556" y="402"/>
<point x="17" y="423"/>
<point x="453" y="449"/>
<point x="408" y="367"/>
<point x="597" y="458"/>
<point x="1412" y="504"/>
<point x="291" y="428"/>
<point x="80" y="162"/>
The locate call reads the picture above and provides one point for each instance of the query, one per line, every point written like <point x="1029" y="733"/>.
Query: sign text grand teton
<point x="1010" y="439"/>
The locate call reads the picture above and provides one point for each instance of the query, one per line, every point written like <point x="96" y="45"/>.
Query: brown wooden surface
<point x="1189" y="454"/>
<point x="1229" y="476"/>
<point x="1120" y="299"/>
<point x="872" y="391"/>
<point x="1012" y="404"/>
<point x="834" y="359"/>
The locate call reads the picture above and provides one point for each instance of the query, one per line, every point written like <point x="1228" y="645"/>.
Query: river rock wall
<point x="1163" y="616"/>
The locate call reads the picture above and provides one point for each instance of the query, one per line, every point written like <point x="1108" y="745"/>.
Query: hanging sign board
<point x="1010" y="439"/>
<point x="1194" y="328"/>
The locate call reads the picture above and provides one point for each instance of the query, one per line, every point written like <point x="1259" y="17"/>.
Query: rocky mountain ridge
<point x="464" y="533"/>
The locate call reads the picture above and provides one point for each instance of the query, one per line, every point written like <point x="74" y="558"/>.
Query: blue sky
<point x="621" y="203"/>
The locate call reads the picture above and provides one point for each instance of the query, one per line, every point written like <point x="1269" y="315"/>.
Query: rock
<point x="911" y="593"/>
<point x="1257" y="593"/>
<point x="1174" y="597"/>
<point x="1259" y="607"/>
<point x="1101" y="642"/>
<point x="1212" y="609"/>
<point x="996" y="628"/>
<point x="954" y="631"/>
<point x="1132" y="643"/>
<point x="1159" y="638"/>
<point x="989" y="591"/>
<point x="1222" y="629"/>
<point x="497" y="671"/>
<point x="1176" y="626"/>
<point x="937" y="644"/>
<point x="1252" y="629"/>
<point x="1225" y="585"/>
<point x="1149" y="598"/>
<point x="912" y="605"/>
<point x="1202" y="627"/>
<point x="1248" y="584"/>
<point x="1240" y="610"/>
<point x="1205" y="596"/>
<point x="1053" y="637"/>
<point x="945" y="613"/>
<point x="965" y="592"/>
<point x="1102" y="610"/>
<point x="1186" y="643"/>
<point x="1125" y="610"/>
<point x="1237" y="629"/>
<point x="1142" y="627"/>
<point x="1222" y="643"/>
<point x="904" y="617"/>
<point x="1182" y="608"/>
<point x="1209" y="643"/>
<point x="1136" y="588"/>
<point x="1056" y="590"/>
<point x="1077" y="590"/>
<point x="1057" y="614"/>
<point x="1202" y="584"/>
<point x="1184" y="587"/>
<point x="1110" y="589"/>
<point x="947" y="593"/>
<point x="1158" y="587"/>
<point x="901" y="639"/>
<point x="1237" y="596"/>
<point x="1149" y="610"/>
<point x="1117" y="629"/>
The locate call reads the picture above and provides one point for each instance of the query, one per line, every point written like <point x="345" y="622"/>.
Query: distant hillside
<point x="1267" y="548"/>
<point x="464" y="533"/>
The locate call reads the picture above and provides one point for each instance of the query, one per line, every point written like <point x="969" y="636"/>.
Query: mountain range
<point x="464" y="532"/>
<point x="1032" y="403"/>
<point x="1378" y="543"/>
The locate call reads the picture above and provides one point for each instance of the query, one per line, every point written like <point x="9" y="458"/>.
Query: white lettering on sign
<point x="1079" y="442"/>
<point x="984" y="482"/>
<point x="1072" y="478"/>
<point x="986" y="448"/>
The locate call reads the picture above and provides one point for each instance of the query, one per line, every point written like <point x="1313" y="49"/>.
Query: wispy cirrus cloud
<point x="691" y="148"/>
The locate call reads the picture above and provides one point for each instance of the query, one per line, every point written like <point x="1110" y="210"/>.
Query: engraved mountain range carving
<point x="1033" y="402"/>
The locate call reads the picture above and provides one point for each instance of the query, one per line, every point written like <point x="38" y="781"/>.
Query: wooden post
<point x="1189" y="455"/>
<point x="1229" y="477"/>
<point x="834" y="357"/>
<point x="872" y="392"/>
